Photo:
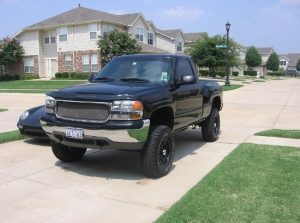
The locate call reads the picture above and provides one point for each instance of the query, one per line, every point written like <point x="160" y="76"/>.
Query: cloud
<point x="183" y="13"/>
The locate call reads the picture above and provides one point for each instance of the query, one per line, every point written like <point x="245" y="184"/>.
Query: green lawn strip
<point x="3" y="110"/>
<point x="51" y="84"/>
<point x="292" y="134"/>
<point x="255" y="183"/>
<point x="231" y="87"/>
<point x="259" y="81"/>
<point x="10" y="136"/>
<point x="29" y="91"/>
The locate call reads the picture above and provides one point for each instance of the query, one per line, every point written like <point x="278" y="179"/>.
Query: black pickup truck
<point x="136" y="102"/>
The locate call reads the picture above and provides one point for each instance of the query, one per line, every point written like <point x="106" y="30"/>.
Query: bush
<point x="275" y="74"/>
<point x="28" y="77"/>
<point x="235" y="73"/>
<point x="72" y="75"/>
<point x="221" y="73"/>
<point x="250" y="72"/>
<point x="204" y="72"/>
<point x="8" y="77"/>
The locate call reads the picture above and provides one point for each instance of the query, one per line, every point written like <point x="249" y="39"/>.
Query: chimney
<point x="79" y="5"/>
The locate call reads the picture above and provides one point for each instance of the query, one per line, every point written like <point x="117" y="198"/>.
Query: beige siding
<point x="165" y="43"/>
<point x="141" y="24"/>
<point x="41" y="55"/>
<point x="29" y="41"/>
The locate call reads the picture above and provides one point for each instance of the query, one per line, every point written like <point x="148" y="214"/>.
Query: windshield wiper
<point x="103" y="79"/>
<point x="134" y="79"/>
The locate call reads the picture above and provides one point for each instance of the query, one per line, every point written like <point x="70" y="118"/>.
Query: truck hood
<point x="106" y="91"/>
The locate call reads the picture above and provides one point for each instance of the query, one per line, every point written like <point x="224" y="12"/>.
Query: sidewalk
<point x="273" y="141"/>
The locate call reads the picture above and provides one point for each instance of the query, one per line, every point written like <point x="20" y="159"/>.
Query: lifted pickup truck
<point x="135" y="102"/>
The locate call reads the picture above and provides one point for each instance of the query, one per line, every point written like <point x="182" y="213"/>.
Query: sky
<point x="260" y="23"/>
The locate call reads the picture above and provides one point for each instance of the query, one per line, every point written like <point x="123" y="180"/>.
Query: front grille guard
<point x="84" y="120"/>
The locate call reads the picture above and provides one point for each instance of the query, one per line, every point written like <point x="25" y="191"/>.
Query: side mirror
<point x="92" y="77"/>
<point x="188" y="79"/>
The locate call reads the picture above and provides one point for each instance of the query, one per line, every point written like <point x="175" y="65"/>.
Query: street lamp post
<point x="227" y="82"/>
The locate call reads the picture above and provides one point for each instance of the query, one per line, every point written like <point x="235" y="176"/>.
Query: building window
<point x="139" y="34"/>
<point x="93" y="31"/>
<point x="94" y="62"/>
<point x="68" y="60"/>
<point x="50" y="38"/>
<point x="179" y="46"/>
<point x="107" y="29"/>
<point x="283" y="63"/>
<point x="29" y="65"/>
<point x="86" y="63"/>
<point x="63" y="34"/>
<point x="150" y="38"/>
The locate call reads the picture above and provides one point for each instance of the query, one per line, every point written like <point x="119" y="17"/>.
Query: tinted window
<point x="152" y="70"/>
<point x="183" y="68"/>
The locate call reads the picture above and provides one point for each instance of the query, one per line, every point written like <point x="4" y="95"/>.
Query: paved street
<point x="108" y="186"/>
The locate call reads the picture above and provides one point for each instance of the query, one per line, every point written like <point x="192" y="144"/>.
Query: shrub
<point x="235" y="73"/>
<point x="250" y="72"/>
<point x="8" y="77"/>
<point x="204" y="72"/>
<point x="221" y="73"/>
<point x="72" y="75"/>
<point x="275" y="74"/>
<point x="28" y="77"/>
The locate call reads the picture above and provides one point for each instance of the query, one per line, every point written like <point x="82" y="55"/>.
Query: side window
<point x="183" y="68"/>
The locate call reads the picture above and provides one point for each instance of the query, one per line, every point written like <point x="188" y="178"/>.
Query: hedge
<point x="8" y="77"/>
<point x="28" y="77"/>
<point x="72" y="75"/>
<point x="235" y="73"/>
<point x="275" y="73"/>
<point x="250" y="72"/>
<point x="212" y="74"/>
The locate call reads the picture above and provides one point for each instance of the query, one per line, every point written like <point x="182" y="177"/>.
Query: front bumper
<point x="103" y="136"/>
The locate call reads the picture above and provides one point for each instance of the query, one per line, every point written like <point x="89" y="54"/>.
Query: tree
<point x="253" y="58"/>
<point x="273" y="62"/>
<point x="205" y="52"/>
<point x="115" y="44"/>
<point x="298" y="65"/>
<point x="10" y="51"/>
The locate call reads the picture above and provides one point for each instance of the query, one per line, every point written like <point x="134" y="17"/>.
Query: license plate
<point x="74" y="133"/>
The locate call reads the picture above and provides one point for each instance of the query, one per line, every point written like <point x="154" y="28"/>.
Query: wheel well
<point x="216" y="103"/>
<point x="163" y="116"/>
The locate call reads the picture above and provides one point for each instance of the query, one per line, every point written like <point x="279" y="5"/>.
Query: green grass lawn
<point x="10" y="136"/>
<point x="231" y="87"/>
<point x="292" y="134"/>
<point x="35" y="86"/>
<point x="255" y="183"/>
<point x="3" y="109"/>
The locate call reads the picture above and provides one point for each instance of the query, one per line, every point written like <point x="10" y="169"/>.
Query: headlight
<point x="50" y="105"/>
<point x="24" y="115"/>
<point x="126" y="110"/>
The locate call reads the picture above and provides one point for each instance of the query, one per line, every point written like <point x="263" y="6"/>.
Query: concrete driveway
<point x="108" y="186"/>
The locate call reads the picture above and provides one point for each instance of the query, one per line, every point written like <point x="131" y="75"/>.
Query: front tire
<point x="211" y="126"/>
<point x="66" y="153"/>
<point x="158" y="152"/>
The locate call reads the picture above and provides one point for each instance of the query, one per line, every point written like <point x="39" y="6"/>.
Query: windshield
<point x="137" y="70"/>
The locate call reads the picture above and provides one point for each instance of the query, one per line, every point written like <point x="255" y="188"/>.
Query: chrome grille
<point x="82" y="111"/>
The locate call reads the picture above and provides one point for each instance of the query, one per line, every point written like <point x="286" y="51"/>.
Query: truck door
<point x="188" y="97"/>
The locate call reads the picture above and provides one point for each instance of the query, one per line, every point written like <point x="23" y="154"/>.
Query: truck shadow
<point x="115" y="164"/>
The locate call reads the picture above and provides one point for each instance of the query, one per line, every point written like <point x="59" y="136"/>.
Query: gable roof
<point x="150" y="49"/>
<point x="260" y="50"/>
<point x="170" y="33"/>
<point x="293" y="58"/>
<point x="83" y="15"/>
<point x="193" y="37"/>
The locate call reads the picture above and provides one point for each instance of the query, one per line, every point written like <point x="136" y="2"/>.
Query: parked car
<point x="29" y="123"/>
<point x="292" y="73"/>
<point x="136" y="102"/>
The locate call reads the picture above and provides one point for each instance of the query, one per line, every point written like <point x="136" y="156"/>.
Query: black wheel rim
<point x="216" y="126"/>
<point x="164" y="152"/>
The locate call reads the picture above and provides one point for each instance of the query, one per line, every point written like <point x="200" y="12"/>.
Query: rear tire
<point x="66" y="153"/>
<point x="158" y="152"/>
<point x="211" y="126"/>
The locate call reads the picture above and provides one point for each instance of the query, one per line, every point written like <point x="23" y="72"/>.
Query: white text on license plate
<point x="74" y="133"/>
